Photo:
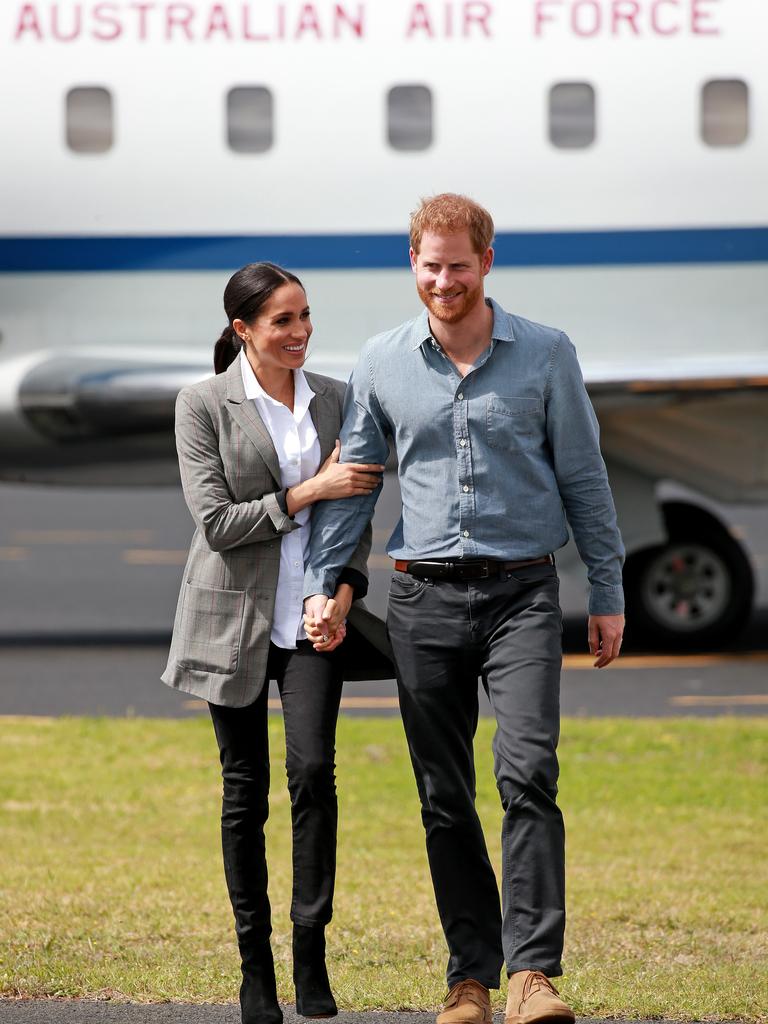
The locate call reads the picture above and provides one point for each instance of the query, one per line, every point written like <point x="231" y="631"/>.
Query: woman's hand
<point x="333" y="641"/>
<point x="326" y="630"/>
<point x="344" y="479"/>
<point x="334" y="479"/>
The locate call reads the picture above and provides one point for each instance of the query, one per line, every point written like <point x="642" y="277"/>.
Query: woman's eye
<point x="305" y="316"/>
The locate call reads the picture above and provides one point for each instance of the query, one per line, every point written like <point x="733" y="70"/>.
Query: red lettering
<point x="419" y="21"/>
<point x="142" y="10"/>
<point x="658" y="27"/>
<point x="577" y="22"/>
<point x="252" y="37"/>
<point x="354" y="22"/>
<point x="448" y="29"/>
<point x="106" y="14"/>
<point x="76" y="28"/>
<point x="28" y="22"/>
<point x="541" y="15"/>
<point x="626" y="10"/>
<point x="308" y="22"/>
<point x="698" y="16"/>
<point x="179" y="16"/>
<point x="280" y="31"/>
<point x="477" y="13"/>
<point x="217" y="22"/>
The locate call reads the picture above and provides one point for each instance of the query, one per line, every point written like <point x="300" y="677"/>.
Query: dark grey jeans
<point x="507" y="631"/>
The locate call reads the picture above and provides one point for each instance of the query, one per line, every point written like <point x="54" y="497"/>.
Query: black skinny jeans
<point x="310" y="690"/>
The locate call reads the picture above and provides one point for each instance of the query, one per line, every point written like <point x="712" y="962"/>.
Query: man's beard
<point x="457" y="310"/>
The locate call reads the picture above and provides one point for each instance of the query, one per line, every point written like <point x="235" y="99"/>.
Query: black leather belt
<point x="467" y="569"/>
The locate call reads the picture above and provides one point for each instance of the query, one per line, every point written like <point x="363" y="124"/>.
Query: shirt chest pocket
<point x="514" y="424"/>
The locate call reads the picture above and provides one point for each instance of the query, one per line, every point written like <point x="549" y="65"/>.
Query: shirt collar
<point x="501" y="331"/>
<point x="303" y="393"/>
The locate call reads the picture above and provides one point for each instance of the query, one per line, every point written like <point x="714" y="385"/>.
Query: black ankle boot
<point x="258" y="992"/>
<point x="313" y="990"/>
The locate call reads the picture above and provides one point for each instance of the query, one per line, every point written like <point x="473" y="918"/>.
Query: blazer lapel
<point x="324" y="412"/>
<point x="246" y="415"/>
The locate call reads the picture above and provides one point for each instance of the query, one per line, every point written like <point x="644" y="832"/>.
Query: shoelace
<point x="536" y="982"/>
<point x="464" y="988"/>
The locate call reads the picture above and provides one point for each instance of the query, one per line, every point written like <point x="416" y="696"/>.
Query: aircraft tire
<point x="695" y="591"/>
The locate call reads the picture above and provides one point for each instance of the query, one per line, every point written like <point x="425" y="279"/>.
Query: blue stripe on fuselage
<point x="372" y="252"/>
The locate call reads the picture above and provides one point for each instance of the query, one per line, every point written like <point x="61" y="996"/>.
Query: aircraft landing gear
<point x="695" y="591"/>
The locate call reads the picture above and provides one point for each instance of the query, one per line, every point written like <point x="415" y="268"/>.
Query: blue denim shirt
<point x="490" y="465"/>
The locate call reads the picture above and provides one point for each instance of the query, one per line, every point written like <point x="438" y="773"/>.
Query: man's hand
<point x="605" y="634"/>
<point x="323" y="622"/>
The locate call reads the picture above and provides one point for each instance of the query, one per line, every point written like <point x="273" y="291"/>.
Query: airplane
<point x="154" y="147"/>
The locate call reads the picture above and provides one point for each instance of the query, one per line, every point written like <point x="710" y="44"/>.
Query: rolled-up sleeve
<point x="574" y="440"/>
<point x="223" y="522"/>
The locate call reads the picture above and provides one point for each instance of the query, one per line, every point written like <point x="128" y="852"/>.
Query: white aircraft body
<point x="151" y="148"/>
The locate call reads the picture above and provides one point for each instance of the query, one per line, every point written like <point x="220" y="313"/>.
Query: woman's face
<point x="279" y="335"/>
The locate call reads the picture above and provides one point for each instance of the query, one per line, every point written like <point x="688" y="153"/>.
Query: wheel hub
<point x="686" y="587"/>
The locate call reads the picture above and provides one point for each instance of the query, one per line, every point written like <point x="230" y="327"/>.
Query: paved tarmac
<point x="89" y="585"/>
<point x="119" y="679"/>
<point x="72" y="1011"/>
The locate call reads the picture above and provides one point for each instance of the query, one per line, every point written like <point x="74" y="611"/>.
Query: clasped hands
<point x="325" y="618"/>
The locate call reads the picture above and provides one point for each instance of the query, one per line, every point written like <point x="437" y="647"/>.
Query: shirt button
<point x="465" y="489"/>
<point x="463" y="443"/>
<point x="460" y="395"/>
<point x="466" y="533"/>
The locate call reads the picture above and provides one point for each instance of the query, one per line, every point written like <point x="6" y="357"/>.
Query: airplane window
<point x="725" y="112"/>
<point x="409" y="117"/>
<point x="250" y="119"/>
<point x="89" y="120"/>
<point x="572" y="115"/>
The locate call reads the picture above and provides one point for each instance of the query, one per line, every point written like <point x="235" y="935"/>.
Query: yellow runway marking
<point x="347" y="704"/>
<point x="585" y="661"/>
<point x="153" y="556"/>
<point x="735" y="700"/>
<point x="351" y="703"/>
<point x="83" y="536"/>
<point x="13" y="554"/>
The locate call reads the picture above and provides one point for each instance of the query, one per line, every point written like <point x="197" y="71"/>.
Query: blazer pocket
<point x="514" y="424"/>
<point x="210" y="628"/>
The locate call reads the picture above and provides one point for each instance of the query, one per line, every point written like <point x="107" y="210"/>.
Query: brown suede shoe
<point x="468" y="1002"/>
<point x="533" y="999"/>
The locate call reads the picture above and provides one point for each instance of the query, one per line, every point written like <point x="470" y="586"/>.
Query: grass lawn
<point x="111" y="882"/>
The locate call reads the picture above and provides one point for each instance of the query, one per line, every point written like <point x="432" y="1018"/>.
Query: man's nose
<point x="443" y="281"/>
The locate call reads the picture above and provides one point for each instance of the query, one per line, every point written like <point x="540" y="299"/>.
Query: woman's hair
<point x="449" y="214"/>
<point x="246" y="292"/>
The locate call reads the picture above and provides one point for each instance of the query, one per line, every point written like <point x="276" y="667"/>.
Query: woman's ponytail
<point x="226" y="349"/>
<point x="246" y="292"/>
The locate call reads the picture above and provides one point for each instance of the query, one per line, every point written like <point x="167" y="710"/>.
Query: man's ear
<point x="487" y="261"/>
<point x="413" y="254"/>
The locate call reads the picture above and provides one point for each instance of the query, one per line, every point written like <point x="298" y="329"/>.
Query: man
<point x="497" y="444"/>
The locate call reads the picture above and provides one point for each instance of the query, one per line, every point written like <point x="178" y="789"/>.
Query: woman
<point x="257" y="447"/>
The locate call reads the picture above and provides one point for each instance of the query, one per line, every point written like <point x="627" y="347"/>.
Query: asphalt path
<point x="89" y="585"/>
<point x="60" y="1011"/>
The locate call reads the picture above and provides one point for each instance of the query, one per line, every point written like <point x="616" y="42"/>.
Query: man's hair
<point x="450" y="214"/>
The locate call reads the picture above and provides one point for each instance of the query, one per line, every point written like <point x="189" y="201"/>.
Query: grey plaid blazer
<point x="230" y="474"/>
